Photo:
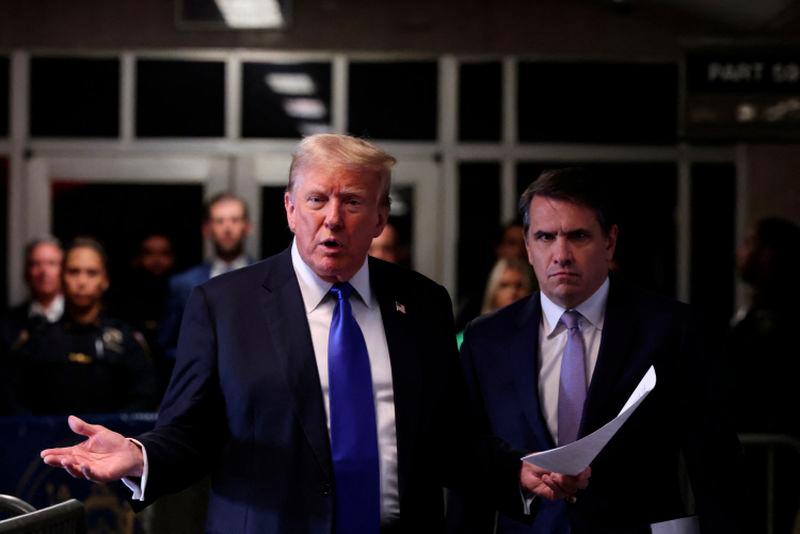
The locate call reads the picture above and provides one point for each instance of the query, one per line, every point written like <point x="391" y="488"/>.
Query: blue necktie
<point x="572" y="386"/>
<point x="354" y="435"/>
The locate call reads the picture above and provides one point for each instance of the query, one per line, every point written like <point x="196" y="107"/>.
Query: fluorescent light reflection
<point x="291" y="83"/>
<point x="305" y="108"/>
<point x="251" y="14"/>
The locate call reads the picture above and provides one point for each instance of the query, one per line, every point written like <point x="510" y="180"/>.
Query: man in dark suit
<point x="258" y="397"/>
<point x="552" y="368"/>
<point x="226" y="226"/>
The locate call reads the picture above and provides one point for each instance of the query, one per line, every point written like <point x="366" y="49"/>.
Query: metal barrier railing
<point x="772" y="442"/>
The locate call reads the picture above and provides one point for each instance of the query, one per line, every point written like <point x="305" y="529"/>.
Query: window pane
<point x="480" y="101"/>
<point x="597" y="102"/>
<point x="280" y="100"/>
<point x="478" y="231"/>
<point x="74" y="97"/>
<point x="645" y="200"/>
<point x="119" y="215"/>
<point x="393" y="100"/>
<point x="713" y="273"/>
<point x="180" y="98"/>
<point x="5" y="95"/>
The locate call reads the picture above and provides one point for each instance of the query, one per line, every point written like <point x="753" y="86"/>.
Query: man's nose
<point x="333" y="218"/>
<point x="562" y="252"/>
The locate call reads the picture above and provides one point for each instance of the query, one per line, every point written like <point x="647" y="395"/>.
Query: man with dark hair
<point x="319" y="388"/>
<point x="226" y="226"/>
<point x="548" y="370"/>
<point x="763" y="363"/>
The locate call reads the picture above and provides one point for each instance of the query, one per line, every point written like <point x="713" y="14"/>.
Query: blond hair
<point x="337" y="150"/>
<point x="496" y="275"/>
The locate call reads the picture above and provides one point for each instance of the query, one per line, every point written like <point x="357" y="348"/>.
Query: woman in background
<point x="87" y="362"/>
<point x="510" y="279"/>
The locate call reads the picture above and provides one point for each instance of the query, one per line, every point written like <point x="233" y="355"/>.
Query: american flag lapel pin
<point x="400" y="307"/>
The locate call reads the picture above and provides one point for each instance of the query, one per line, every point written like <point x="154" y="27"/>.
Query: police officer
<point x="87" y="362"/>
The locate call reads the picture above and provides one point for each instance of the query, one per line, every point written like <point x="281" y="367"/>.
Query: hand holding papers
<point x="575" y="457"/>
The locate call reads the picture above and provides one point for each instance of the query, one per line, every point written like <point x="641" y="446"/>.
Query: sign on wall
<point x="748" y="94"/>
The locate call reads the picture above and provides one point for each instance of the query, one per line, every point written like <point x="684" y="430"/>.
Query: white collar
<point x="592" y="309"/>
<point x="314" y="289"/>
<point x="52" y="313"/>
<point x="219" y="266"/>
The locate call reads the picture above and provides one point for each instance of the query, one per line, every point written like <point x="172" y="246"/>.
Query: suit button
<point x="325" y="489"/>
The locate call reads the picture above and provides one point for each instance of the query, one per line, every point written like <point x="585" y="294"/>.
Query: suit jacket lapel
<point x="288" y="328"/>
<point x="524" y="346"/>
<point x="619" y="328"/>
<point x="406" y="366"/>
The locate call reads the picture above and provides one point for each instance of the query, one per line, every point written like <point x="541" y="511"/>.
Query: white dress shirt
<point x="553" y="339"/>
<point x="52" y="313"/>
<point x="319" y="305"/>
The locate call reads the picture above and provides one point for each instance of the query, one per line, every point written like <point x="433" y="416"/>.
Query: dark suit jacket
<point x="635" y="480"/>
<point x="180" y="287"/>
<point x="245" y="402"/>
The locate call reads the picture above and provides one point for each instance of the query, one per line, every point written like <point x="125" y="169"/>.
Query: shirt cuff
<point x="527" y="501"/>
<point x="138" y="489"/>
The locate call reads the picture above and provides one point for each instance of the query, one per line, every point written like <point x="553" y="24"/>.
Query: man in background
<point x="763" y="365"/>
<point x="226" y="226"/>
<point x="386" y="246"/>
<point x="142" y="296"/>
<point x="43" y="258"/>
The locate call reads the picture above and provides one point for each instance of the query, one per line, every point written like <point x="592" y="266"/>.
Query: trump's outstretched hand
<point x="103" y="457"/>
<point x="551" y="485"/>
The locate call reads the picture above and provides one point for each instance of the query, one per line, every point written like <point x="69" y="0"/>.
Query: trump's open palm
<point x="103" y="457"/>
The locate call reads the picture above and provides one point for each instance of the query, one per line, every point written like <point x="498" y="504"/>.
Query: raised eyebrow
<point x="578" y="232"/>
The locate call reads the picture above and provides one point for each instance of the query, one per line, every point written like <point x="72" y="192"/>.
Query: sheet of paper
<point x="574" y="457"/>
<point x="684" y="525"/>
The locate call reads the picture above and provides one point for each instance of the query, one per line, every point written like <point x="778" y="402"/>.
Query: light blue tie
<point x="572" y="385"/>
<point x="354" y="435"/>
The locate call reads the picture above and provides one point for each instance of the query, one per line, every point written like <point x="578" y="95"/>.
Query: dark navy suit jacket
<point x="635" y="480"/>
<point x="245" y="403"/>
<point x="180" y="287"/>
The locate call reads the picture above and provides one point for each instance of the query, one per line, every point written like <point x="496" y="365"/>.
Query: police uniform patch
<point x="112" y="339"/>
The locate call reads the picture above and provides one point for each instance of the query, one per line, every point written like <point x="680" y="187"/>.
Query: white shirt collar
<point x="52" y="313"/>
<point x="219" y="266"/>
<point x="592" y="309"/>
<point x="314" y="289"/>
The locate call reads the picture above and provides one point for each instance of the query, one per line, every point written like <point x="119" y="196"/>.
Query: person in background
<point x="386" y="246"/>
<point x="141" y="301"/>
<point x="510" y="280"/>
<point x="764" y="362"/>
<point x="86" y="362"/>
<point x="512" y="242"/>
<point x="226" y="226"/>
<point x="43" y="257"/>
<point x="510" y="245"/>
